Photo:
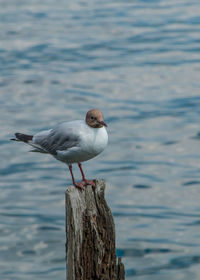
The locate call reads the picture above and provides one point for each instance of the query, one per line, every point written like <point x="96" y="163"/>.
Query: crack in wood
<point x="90" y="233"/>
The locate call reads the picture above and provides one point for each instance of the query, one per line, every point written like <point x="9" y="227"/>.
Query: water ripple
<point x="138" y="61"/>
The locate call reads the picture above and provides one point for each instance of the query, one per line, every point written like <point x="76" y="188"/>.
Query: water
<point x="137" y="61"/>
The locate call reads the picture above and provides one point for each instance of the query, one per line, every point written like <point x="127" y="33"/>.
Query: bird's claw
<point x="89" y="182"/>
<point x="84" y="183"/>
<point x="79" y="185"/>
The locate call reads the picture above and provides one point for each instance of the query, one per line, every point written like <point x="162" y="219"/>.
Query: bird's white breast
<point x="94" y="140"/>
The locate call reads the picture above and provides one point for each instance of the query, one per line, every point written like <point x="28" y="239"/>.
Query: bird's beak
<point x="102" y="123"/>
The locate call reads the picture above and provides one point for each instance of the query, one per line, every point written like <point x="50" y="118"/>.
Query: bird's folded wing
<point x="57" y="140"/>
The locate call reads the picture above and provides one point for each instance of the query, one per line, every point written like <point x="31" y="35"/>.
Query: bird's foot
<point x="89" y="182"/>
<point x="79" y="185"/>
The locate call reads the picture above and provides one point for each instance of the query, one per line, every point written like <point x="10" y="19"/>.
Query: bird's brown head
<point x="94" y="118"/>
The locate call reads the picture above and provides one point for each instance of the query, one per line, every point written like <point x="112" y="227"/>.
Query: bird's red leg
<point x="83" y="175"/>
<point x="86" y="182"/>
<point x="78" y="185"/>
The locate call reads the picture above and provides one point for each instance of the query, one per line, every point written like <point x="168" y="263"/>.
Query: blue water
<point x="137" y="61"/>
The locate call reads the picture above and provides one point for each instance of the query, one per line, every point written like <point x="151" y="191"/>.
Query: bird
<point x="71" y="142"/>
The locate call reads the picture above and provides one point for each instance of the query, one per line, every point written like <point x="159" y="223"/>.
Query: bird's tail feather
<point x="38" y="150"/>
<point x="22" y="137"/>
<point x="28" y="139"/>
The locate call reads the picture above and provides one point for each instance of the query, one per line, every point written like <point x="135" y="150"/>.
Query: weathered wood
<point x="90" y="233"/>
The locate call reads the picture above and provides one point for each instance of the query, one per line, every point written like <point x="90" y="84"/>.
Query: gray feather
<point x="57" y="141"/>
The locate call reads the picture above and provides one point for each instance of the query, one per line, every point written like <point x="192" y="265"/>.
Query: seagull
<point x="71" y="142"/>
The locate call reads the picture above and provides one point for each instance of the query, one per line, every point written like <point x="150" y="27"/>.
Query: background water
<point x="137" y="61"/>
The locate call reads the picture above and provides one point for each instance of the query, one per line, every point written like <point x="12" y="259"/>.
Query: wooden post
<point x="90" y="234"/>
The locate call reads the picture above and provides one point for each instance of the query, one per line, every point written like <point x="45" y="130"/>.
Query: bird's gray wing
<point x="58" y="140"/>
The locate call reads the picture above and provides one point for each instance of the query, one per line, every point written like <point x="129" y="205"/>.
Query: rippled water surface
<point x="138" y="61"/>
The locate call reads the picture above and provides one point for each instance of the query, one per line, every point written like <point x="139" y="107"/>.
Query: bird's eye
<point x="92" y="118"/>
